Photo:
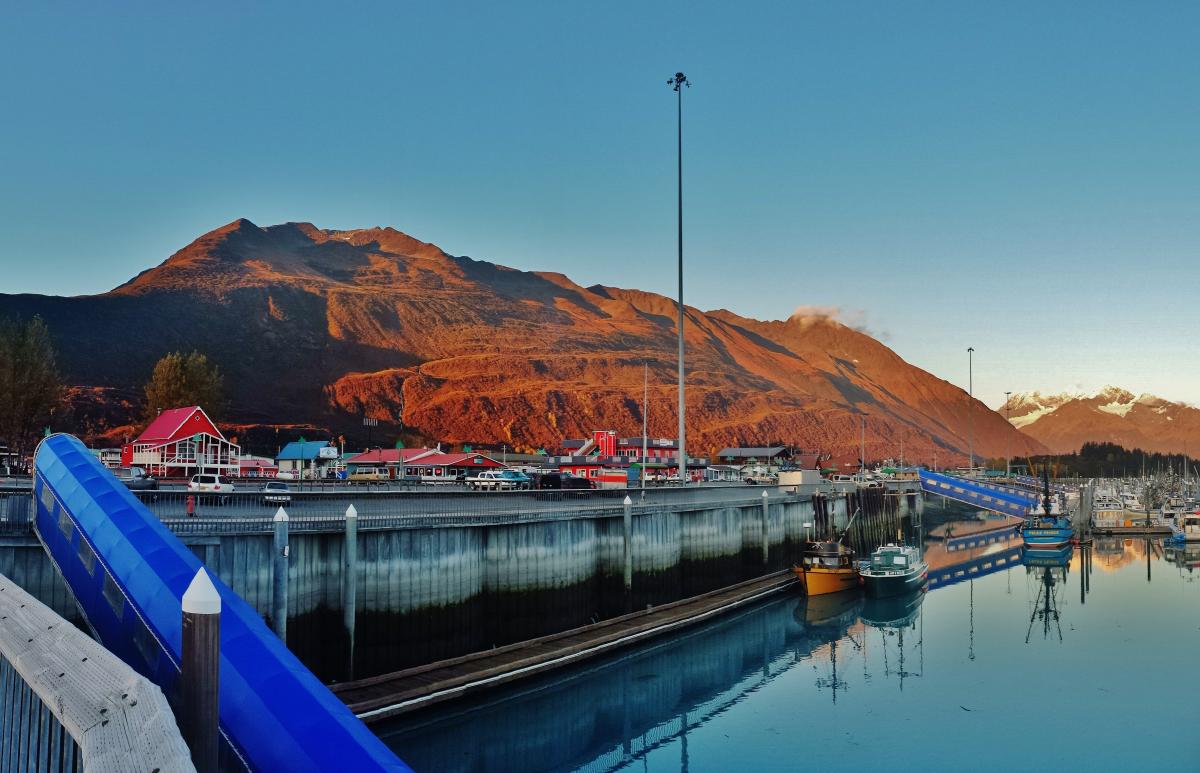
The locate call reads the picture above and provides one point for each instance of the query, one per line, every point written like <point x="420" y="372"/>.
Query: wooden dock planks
<point x="388" y="695"/>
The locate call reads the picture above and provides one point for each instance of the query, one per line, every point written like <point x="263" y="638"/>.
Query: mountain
<point x="1066" y="421"/>
<point x="327" y="326"/>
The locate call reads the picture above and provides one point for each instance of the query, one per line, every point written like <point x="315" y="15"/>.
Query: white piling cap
<point x="281" y="515"/>
<point x="351" y="512"/>
<point x="807" y="524"/>
<point x="201" y="597"/>
<point x="764" y="493"/>
<point x="628" y="501"/>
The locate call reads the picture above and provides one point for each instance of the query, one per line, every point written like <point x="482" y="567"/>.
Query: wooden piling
<point x="350" y="584"/>
<point x="627" y="518"/>
<point x="766" y="525"/>
<point x="279" y="578"/>
<point x="200" y="672"/>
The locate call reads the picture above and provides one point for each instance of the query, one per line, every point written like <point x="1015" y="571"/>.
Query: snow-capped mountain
<point x="1063" y="422"/>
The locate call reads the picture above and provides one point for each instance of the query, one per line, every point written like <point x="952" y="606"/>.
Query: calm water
<point x="982" y="672"/>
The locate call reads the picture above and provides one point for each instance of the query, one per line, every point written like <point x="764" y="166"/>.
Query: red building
<point x="181" y="442"/>
<point x="605" y="457"/>
<point x="393" y="460"/>
<point x="446" y="468"/>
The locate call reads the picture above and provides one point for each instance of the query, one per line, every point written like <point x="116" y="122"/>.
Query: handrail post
<point x="200" y="671"/>
<point x="279" y="579"/>
<point x="350" y="583"/>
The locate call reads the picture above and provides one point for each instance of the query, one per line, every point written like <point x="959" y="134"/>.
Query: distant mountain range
<point x="1064" y="422"/>
<point x="325" y="327"/>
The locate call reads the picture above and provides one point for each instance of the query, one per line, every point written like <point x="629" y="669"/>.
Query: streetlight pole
<point x="971" y="410"/>
<point x="862" y="470"/>
<point x="677" y="82"/>
<point x="1008" y="418"/>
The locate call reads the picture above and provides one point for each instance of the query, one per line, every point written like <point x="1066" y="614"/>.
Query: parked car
<point x="136" y="478"/>
<point x="498" y="480"/>
<point x="211" y="484"/>
<point x="276" y="492"/>
<point x="559" y="480"/>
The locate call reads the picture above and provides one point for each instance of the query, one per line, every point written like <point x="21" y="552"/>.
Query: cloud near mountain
<point x="327" y="326"/>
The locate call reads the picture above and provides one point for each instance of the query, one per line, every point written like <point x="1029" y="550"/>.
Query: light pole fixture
<point x="677" y="82"/>
<point x="970" y="410"/>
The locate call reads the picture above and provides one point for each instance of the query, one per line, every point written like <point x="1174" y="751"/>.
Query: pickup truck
<point x="498" y="480"/>
<point x="136" y="479"/>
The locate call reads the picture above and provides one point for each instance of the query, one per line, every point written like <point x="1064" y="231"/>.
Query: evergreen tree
<point x="30" y="387"/>
<point x="180" y="380"/>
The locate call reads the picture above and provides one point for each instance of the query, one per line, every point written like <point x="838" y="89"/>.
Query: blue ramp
<point x="128" y="572"/>
<point x="977" y="494"/>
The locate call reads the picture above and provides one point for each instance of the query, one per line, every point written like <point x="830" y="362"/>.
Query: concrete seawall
<point x="429" y="592"/>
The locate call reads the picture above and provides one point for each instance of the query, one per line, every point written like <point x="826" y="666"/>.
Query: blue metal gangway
<point x="129" y="572"/>
<point x="998" y="499"/>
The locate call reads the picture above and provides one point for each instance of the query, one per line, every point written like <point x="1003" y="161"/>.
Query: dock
<point x="389" y="695"/>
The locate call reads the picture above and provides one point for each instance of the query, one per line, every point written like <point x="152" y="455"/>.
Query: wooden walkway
<point x="389" y="695"/>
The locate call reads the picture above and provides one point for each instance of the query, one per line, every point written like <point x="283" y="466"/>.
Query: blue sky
<point x="1023" y="178"/>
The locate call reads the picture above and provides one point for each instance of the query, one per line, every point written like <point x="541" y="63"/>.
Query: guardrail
<point x="16" y="511"/>
<point x="68" y="704"/>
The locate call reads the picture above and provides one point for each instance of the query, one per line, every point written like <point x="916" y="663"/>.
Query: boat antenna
<point x="1046" y="489"/>
<point x="849" y="523"/>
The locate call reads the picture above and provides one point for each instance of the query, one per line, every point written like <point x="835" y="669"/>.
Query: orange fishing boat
<point x="827" y="567"/>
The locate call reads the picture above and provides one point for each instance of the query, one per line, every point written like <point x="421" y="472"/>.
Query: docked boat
<point x="827" y="567"/>
<point x="894" y="570"/>
<point x="1191" y="527"/>
<point x="1049" y="529"/>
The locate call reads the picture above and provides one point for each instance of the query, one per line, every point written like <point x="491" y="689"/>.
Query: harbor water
<point x="1080" y="661"/>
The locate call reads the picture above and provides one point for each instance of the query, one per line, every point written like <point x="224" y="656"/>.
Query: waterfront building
<point x="392" y="460"/>
<point x="605" y="457"/>
<point x="307" y="459"/>
<point x="181" y="442"/>
<point x="441" y="467"/>
<point x="257" y="467"/>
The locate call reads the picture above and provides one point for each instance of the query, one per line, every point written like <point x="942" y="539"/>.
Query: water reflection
<point x="820" y="679"/>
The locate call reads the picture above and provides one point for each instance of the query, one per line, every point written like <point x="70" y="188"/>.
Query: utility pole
<point x="971" y="410"/>
<point x="677" y="82"/>
<point x="1008" y="451"/>
<point x="645" y="421"/>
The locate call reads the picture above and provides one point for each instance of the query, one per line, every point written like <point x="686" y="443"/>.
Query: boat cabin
<point x="893" y="558"/>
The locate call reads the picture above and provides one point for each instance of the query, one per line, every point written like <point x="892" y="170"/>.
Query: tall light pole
<point x="970" y="410"/>
<point x="862" y="469"/>
<point x="677" y="82"/>
<point x="1008" y="418"/>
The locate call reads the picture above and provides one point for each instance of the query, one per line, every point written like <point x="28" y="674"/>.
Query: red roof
<point x="388" y="455"/>
<point x="175" y="423"/>
<point x="461" y="460"/>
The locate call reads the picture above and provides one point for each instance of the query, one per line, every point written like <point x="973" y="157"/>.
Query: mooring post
<point x="200" y="671"/>
<point x="350" y="581"/>
<point x="628" y="523"/>
<point x="766" y="522"/>
<point x="279" y="585"/>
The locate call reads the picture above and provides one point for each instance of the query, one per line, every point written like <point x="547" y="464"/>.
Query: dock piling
<point x="279" y="579"/>
<point x="627" y="519"/>
<point x="350" y="581"/>
<point x="200" y="671"/>
<point x="766" y="523"/>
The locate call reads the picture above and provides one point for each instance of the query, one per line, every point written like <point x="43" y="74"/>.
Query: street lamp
<point x="677" y="82"/>
<point x="862" y="468"/>
<point x="1008" y="418"/>
<point x="971" y="410"/>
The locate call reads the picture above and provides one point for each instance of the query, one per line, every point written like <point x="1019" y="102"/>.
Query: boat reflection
<point x="829" y="617"/>
<point x="892" y="618"/>
<point x="1049" y="568"/>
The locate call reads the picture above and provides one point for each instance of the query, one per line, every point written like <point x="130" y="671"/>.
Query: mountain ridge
<point x="330" y="325"/>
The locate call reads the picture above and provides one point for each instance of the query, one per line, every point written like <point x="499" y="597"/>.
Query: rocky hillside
<point x="1064" y="422"/>
<point x="325" y="326"/>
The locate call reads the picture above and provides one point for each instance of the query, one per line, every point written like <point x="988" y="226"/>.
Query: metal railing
<point x="68" y="704"/>
<point x="16" y="511"/>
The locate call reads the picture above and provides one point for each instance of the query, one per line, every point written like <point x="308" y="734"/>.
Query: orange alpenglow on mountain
<point x="312" y="325"/>
<point x="1065" y="422"/>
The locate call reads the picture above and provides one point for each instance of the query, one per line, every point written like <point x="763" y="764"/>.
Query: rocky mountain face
<point x="1064" y="422"/>
<point x="326" y="326"/>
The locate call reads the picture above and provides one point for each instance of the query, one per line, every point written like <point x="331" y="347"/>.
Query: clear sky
<point x="1023" y="178"/>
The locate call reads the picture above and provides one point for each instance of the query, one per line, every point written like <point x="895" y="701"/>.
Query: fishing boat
<point x="827" y="567"/>
<point x="1191" y="527"/>
<point x="894" y="570"/>
<point x="1050" y="529"/>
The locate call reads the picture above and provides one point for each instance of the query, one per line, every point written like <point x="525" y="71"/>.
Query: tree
<point x="30" y="387"/>
<point x="180" y="380"/>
